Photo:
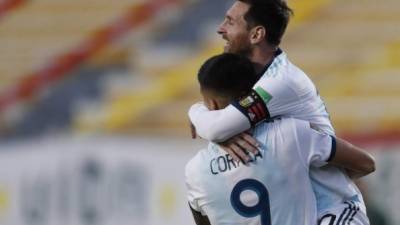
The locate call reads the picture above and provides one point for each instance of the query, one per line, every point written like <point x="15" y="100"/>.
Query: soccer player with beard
<point x="254" y="28"/>
<point x="275" y="187"/>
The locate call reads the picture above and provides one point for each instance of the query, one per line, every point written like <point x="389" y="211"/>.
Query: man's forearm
<point x="217" y="125"/>
<point x="354" y="175"/>
<point x="356" y="161"/>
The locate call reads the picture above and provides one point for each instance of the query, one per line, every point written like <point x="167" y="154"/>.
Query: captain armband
<point x="253" y="106"/>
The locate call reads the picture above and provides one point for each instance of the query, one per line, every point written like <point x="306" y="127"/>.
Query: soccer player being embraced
<point x="275" y="187"/>
<point x="254" y="29"/>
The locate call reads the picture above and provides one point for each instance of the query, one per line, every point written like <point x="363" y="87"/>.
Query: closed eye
<point x="229" y="20"/>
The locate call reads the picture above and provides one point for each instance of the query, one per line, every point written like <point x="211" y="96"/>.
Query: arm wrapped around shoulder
<point x="217" y="125"/>
<point x="355" y="160"/>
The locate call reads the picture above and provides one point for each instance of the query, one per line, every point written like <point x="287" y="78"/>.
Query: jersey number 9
<point x="262" y="208"/>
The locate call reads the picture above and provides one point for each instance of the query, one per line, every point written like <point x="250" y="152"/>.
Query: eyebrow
<point x="228" y="17"/>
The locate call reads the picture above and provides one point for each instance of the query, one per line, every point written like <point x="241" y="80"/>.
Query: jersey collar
<point x="277" y="53"/>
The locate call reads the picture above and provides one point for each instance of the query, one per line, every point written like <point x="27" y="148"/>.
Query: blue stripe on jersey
<point x="267" y="66"/>
<point x="346" y="210"/>
<point x="333" y="151"/>
<point x="332" y="219"/>
<point x="354" y="213"/>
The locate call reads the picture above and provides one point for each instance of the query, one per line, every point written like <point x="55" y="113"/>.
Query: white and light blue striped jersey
<point x="274" y="189"/>
<point x="287" y="91"/>
<point x="292" y="93"/>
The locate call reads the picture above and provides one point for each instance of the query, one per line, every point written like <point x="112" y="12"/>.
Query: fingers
<point x="247" y="142"/>
<point x="239" y="147"/>
<point x="237" y="153"/>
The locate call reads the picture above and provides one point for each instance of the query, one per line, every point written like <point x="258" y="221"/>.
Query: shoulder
<point x="283" y="69"/>
<point x="195" y="166"/>
<point x="193" y="163"/>
<point x="289" y="122"/>
<point x="192" y="178"/>
<point x="285" y="79"/>
<point x="279" y="127"/>
<point x="295" y="124"/>
<point x="288" y="126"/>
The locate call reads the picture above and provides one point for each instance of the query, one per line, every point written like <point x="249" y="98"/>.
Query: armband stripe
<point x="259" y="107"/>
<point x="256" y="111"/>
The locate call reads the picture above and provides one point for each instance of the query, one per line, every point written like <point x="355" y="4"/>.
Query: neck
<point x="261" y="56"/>
<point x="222" y="102"/>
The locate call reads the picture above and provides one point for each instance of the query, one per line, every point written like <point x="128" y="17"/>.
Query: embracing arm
<point x="320" y="149"/>
<point x="356" y="161"/>
<point x="217" y="125"/>
<point x="239" y="116"/>
<point x="222" y="126"/>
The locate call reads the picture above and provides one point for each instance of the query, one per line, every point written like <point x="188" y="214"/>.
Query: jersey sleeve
<point x="315" y="148"/>
<point x="217" y="125"/>
<point x="278" y="95"/>
<point x="194" y="190"/>
<point x="272" y="96"/>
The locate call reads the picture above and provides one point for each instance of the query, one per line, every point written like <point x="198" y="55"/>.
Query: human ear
<point x="257" y="34"/>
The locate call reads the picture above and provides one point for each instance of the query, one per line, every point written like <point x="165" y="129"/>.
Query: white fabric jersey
<point x="274" y="189"/>
<point x="292" y="94"/>
<point x="349" y="213"/>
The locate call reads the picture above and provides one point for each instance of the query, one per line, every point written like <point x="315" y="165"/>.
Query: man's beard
<point x="241" y="47"/>
<point x="242" y="50"/>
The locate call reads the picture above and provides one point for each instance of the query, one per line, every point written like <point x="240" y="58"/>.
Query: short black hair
<point x="273" y="15"/>
<point x="228" y="75"/>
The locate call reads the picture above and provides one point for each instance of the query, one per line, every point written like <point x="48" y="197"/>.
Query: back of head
<point x="273" y="15"/>
<point x="227" y="75"/>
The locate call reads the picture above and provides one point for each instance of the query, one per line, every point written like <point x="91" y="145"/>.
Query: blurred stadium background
<point x="94" y="95"/>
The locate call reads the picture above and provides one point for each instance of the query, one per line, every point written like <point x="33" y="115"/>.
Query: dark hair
<point x="228" y="75"/>
<point x="273" y="15"/>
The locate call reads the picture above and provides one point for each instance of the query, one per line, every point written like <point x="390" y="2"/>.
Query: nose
<point x="221" y="29"/>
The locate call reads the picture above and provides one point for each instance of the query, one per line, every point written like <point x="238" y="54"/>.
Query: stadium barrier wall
<point x="97" y="181"/>
<point x="125" y="180"/>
